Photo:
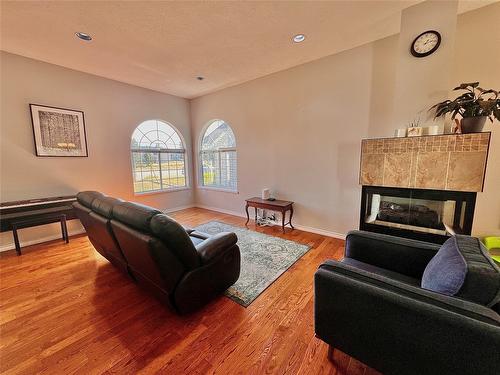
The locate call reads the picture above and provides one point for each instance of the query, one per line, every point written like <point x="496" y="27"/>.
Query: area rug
<point x="263" y="259"/>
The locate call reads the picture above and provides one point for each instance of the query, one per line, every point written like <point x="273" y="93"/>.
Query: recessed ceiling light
<point x="83" y="36"/>
<point x="200" y="78"/>
<point x="299" y="38"/>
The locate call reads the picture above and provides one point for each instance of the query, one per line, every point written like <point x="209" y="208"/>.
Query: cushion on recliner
<point x="463" y="268"/>
<point x="136" y="215"/>
<point x="104" y="206"/>
<point x="86" y="198"/>
<point x="177" y="240"/>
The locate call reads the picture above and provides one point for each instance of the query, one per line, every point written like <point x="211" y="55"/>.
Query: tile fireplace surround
<point x="454" y="162"/>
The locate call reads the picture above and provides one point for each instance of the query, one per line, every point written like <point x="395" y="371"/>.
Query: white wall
<point x="299" y="131"/>
<point x="477" y="58"/>
<point x="112" y="111"/>
<point x="425" y="80"/>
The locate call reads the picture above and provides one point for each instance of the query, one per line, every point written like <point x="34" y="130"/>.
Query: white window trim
<point x="167" y="190"/>
<point x="214" y="188"/>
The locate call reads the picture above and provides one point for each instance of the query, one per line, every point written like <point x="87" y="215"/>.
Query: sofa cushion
<point x="463" y="268"/>
<point x="135" y="215"/>
<point x="85" y="198"/>
<point x="104" y="206"/>
<point x="380" y="271"/>
<point x="176" y="239"/>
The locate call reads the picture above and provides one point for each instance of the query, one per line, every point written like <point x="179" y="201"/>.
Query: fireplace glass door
<point x="422" y="214"/>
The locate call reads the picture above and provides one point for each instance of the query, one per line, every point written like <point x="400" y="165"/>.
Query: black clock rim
<point x="417" y="54"/>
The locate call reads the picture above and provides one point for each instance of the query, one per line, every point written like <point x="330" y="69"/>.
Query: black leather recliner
<point x="182" y="267"/>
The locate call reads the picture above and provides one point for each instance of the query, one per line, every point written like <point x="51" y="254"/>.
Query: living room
<point x="265" y="130"/>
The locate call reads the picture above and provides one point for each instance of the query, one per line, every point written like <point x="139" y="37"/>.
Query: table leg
<point x="16" y="240"/>
<point x="248" y="216"/>
<point x="291" y="215"/>
<point x="283" y="214"/>
<point x="64" y="229"/>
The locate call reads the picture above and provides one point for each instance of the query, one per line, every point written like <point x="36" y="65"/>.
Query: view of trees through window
<point x="158" y="157"/>
<point x="218" y="157"/>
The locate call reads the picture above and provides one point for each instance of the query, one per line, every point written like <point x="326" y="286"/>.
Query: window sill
<point x="218" y="189"/>
<point x="171" y="190"/>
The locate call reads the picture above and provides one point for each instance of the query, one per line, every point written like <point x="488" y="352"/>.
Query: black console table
<point x="34" y="212"/>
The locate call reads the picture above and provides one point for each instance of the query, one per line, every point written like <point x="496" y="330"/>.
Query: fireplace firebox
<point x="427" y="215"/>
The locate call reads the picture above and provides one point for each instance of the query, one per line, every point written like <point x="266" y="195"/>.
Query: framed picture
<point x="415" y="131"/>
<point x="58" y="131"/>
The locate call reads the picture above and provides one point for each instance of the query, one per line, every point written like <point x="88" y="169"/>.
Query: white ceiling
<point x="164" y="45"/>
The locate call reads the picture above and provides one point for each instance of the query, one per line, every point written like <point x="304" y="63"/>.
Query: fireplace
<point x="427" y="215"/>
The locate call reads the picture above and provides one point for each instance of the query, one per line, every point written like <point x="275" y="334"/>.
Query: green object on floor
<point x="493" y="246"/>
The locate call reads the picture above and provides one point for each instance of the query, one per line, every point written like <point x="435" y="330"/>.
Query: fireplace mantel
<point x="441" y="162"/>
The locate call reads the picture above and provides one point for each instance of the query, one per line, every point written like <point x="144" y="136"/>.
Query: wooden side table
<point x="277" y="205"/>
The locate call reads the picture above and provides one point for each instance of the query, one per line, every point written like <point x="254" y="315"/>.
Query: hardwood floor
<point x="65" y="309"/>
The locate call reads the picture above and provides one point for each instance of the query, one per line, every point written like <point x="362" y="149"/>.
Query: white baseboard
<point x="169" y="210"/>
<point x="323" y="232"/>
<point x="221" y="210"/>
<point x="12" y="246"/>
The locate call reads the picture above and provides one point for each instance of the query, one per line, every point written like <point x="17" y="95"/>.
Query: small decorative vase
<point x="400" y="133"/>
<point x="472" y="124"/>
<point x="415" y="131"/>
<point x="434" y="130"/>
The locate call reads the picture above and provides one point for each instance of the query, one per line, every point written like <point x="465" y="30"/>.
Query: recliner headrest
<point x="104" y="206"/>
<point x="136" y="215"/>
<point x="86" y="198"/>
<point x="177" y="240"/>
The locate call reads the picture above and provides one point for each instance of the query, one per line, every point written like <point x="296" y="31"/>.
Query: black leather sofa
<point x="182" y="267"/>
<point x="371" y="306"/>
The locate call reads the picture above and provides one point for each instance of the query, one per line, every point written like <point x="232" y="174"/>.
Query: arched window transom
<point x="158" y="157"/>
<point x="218" y="157"/>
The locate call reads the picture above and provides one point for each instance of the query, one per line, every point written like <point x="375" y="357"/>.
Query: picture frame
<point x="58" y="131"/>
<point x="415" y="131"/>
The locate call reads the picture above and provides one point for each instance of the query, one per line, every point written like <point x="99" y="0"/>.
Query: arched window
<point x="218" y="157"/>
<point x="158" y="157"/>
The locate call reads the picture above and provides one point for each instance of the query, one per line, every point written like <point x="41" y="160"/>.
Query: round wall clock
<point x="426" y="43"/>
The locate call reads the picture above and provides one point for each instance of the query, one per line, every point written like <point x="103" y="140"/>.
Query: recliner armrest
<point x="406" y="256"/>
<point x="215" y="245"/>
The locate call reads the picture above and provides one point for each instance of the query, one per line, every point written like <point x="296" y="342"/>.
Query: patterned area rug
<point x="263" y="259"/>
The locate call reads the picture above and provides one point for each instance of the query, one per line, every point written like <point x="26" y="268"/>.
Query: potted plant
<point x="475" y="105"/>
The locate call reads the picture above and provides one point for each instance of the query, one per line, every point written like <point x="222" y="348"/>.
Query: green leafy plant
<point x="475" y="102"/>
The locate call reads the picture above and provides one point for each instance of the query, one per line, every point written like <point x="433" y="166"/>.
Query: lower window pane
<point x="158" y="170"/>
<point x="219" y="169"/>
<point x="173" y="170"/>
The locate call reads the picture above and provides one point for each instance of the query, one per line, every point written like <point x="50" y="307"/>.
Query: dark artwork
<point x="59" y="130"/>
